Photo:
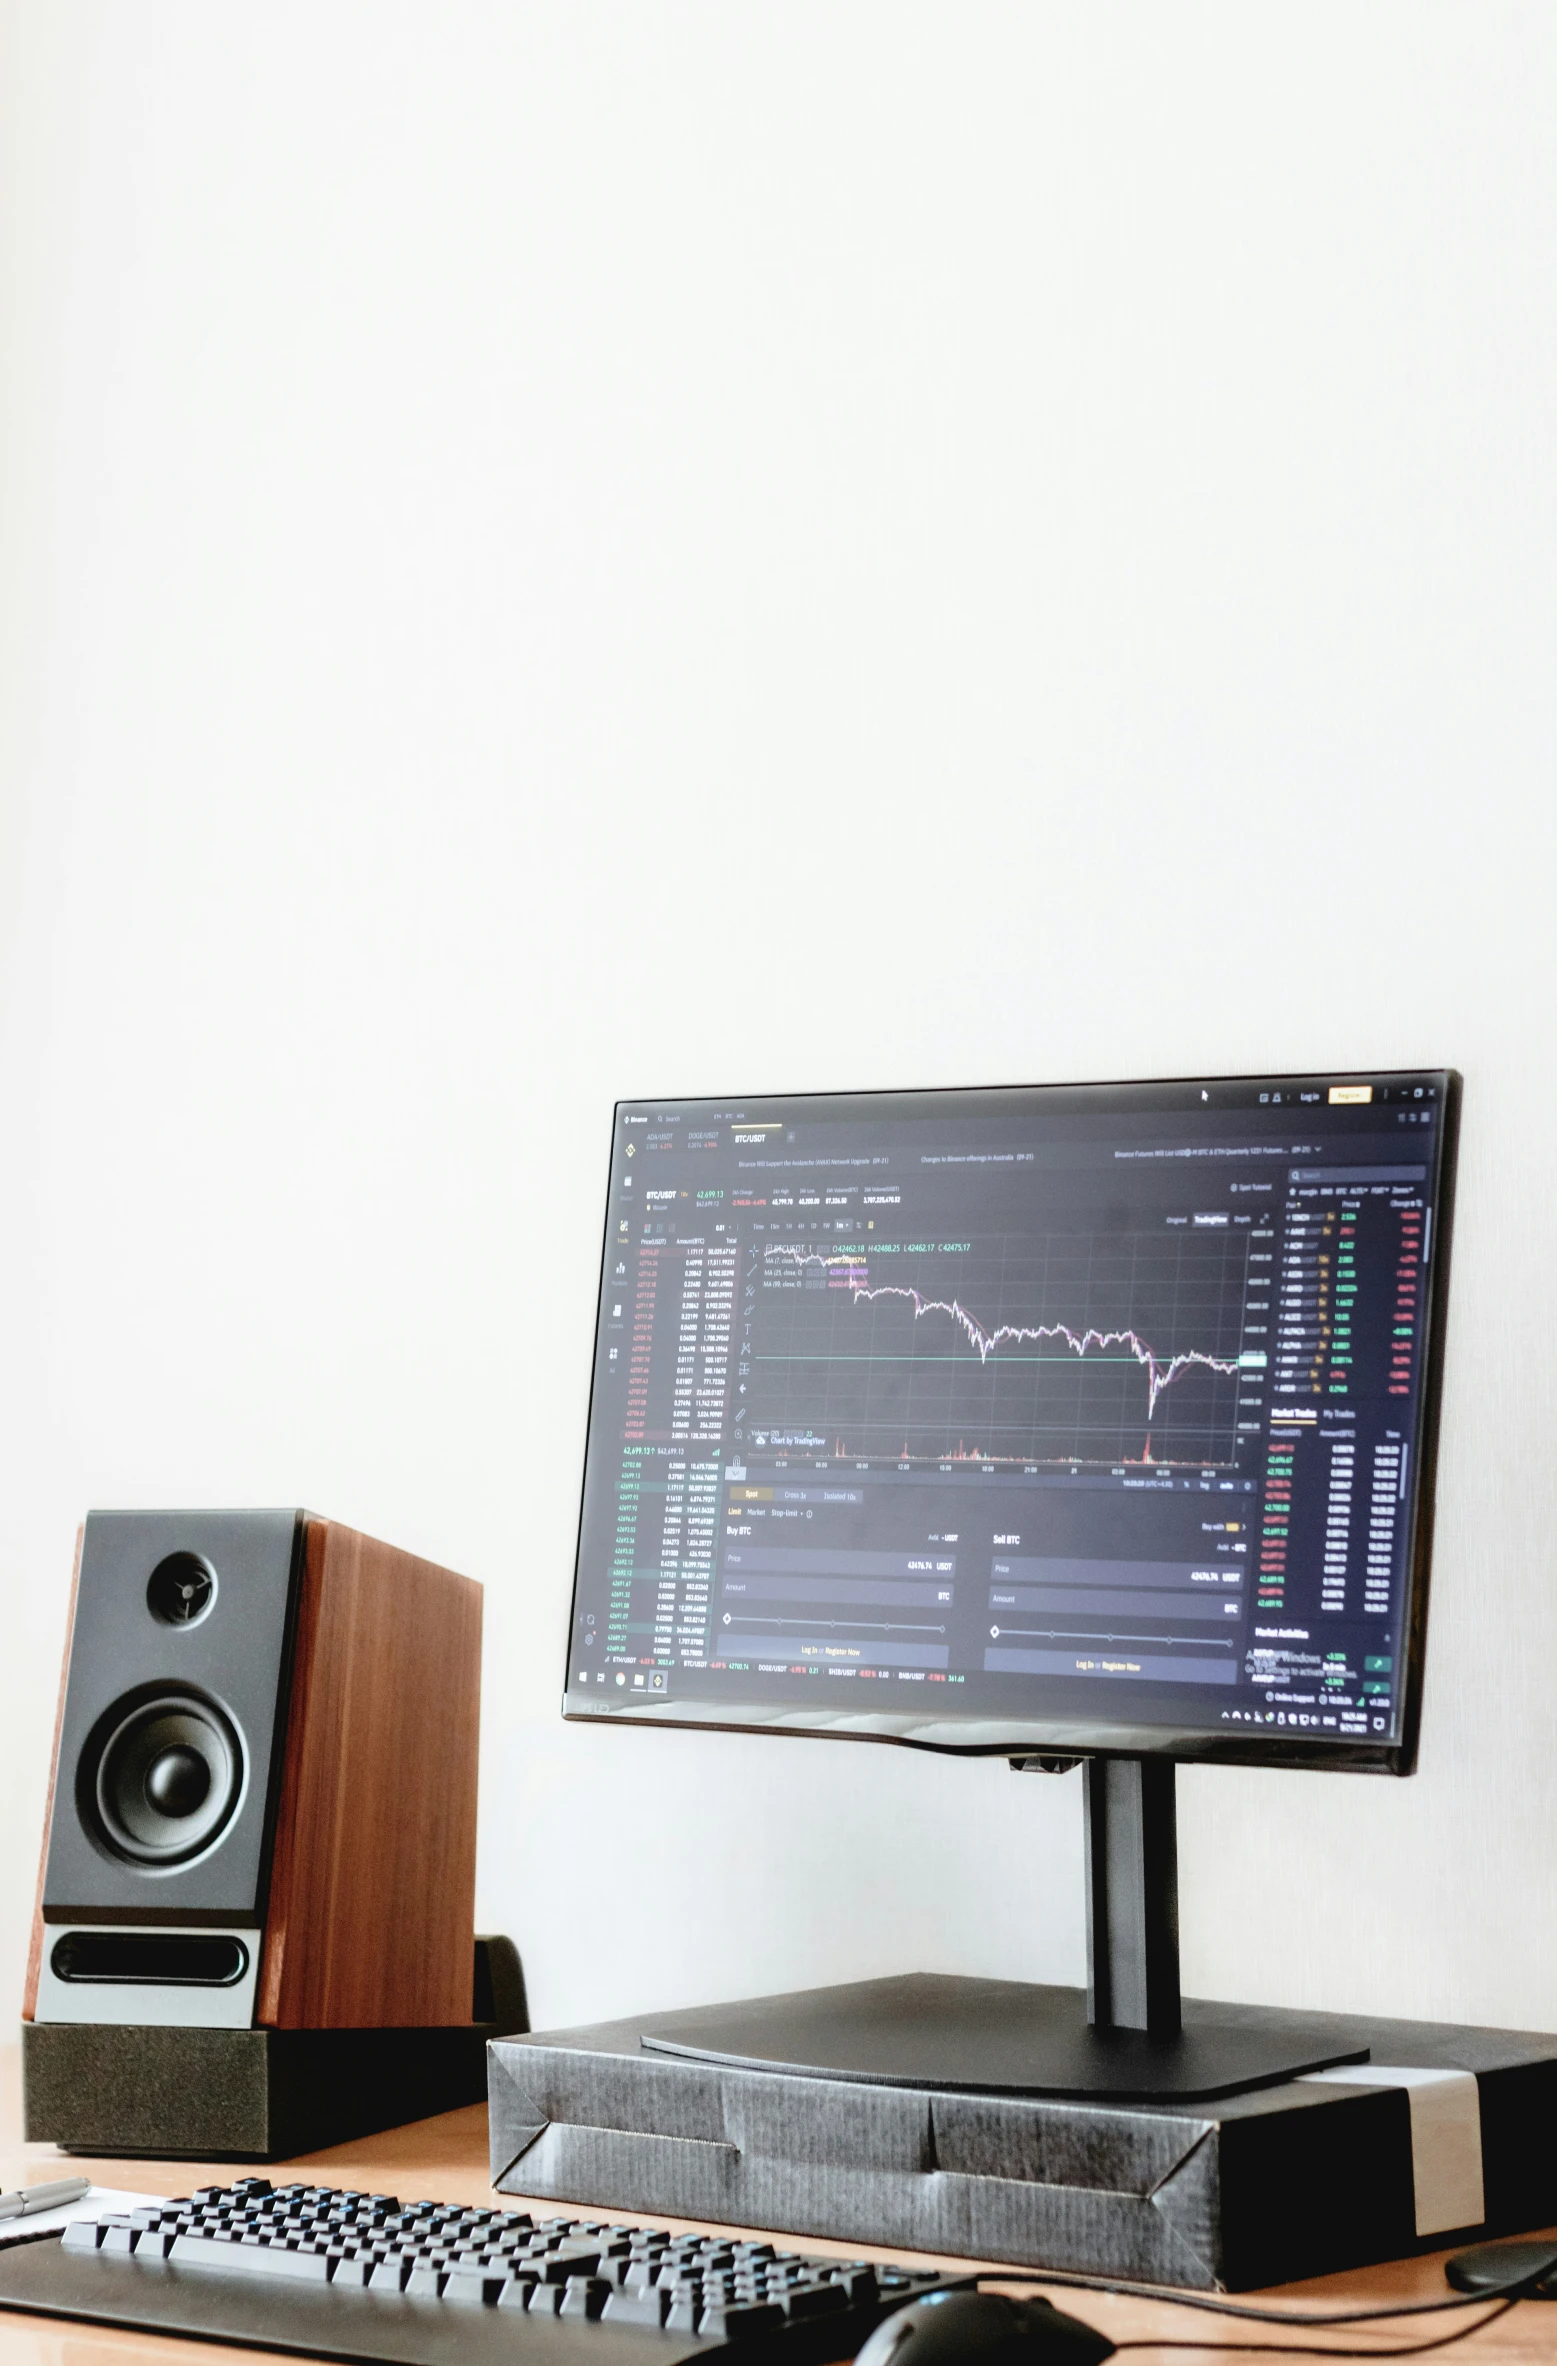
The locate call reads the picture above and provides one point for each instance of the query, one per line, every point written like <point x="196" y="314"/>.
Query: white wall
<point x="556" y="551"/>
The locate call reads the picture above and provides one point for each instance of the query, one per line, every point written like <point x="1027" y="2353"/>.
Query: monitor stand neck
<point x="1132" y="1895"/>
<point x="1126" y="2040"/>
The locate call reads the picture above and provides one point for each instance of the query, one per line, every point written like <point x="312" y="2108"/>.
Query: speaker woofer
<point x="166" y="1778"/>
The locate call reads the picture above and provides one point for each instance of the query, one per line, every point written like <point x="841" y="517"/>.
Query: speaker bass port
<point x="161" y="1959"/>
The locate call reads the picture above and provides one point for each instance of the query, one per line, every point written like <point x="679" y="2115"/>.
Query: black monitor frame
<point x="1065" y="1739"/>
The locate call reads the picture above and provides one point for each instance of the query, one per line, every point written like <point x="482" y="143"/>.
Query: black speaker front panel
<point x="174" y="1718"/>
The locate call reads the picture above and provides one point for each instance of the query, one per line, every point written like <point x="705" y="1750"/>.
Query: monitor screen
<point x="1093" y="1418"/>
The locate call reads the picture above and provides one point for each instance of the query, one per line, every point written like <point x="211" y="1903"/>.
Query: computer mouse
<point x="983" y="2329"/>
<point x="1492" y="2267"/>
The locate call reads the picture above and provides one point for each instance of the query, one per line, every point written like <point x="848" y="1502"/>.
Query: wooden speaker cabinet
<point x="262" y="1811"/>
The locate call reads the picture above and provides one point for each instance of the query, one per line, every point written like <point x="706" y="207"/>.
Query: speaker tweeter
<point x="181" y="1589"/>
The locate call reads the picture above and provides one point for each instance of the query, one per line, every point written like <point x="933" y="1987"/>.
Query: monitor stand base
<point x="1128" y="2035"/>
<point x="933" y="2031"/>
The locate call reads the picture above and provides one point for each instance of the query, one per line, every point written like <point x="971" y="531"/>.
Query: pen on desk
<point x="29" y="2198"/>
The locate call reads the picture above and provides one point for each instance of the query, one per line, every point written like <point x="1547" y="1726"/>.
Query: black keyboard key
<point x="474" y="2287"/>
<point x="734" y="2320"/>
<point x="584" y="2296"/>
<point x="558" y="2266"/>
<point x="632" y="2307"/>
<point x="812" y="2300"/>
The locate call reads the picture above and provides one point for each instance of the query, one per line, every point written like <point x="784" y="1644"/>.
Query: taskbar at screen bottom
<point x="1259" y="1735"/>
<point x="1102" y="1684"/>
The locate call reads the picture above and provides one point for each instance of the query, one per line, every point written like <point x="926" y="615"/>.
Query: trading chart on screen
<point x="1008" y="1396"/>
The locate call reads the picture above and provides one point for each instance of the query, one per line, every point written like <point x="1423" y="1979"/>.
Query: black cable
<point x="1312" y="2349"/>
<point x="1517" y="2288"/>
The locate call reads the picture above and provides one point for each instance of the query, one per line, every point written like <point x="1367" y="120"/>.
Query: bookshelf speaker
<point x="262" y="1810"/>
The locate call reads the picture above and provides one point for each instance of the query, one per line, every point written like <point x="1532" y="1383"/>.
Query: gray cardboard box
<point x="1249" y="2190"/>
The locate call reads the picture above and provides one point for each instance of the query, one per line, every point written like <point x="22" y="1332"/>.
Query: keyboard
<point x="335" y="2274"/>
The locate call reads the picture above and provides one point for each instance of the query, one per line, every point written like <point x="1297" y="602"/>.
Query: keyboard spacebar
<point x="256" y="2259"/>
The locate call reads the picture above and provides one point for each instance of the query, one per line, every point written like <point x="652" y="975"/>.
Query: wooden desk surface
<point x="446" y="2159"/>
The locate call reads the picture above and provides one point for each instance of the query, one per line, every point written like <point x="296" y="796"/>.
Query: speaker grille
<point x="161" y="1778"/>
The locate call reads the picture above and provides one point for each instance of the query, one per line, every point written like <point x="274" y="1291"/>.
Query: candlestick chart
<point x="1062" y="1347"/>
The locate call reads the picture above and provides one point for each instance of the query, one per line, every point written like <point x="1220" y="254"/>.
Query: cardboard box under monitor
<point x="1296" y="2180"/>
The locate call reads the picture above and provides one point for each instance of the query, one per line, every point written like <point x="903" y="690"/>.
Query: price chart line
<point x="1161" y="1371"/>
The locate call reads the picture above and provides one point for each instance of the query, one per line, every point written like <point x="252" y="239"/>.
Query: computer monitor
<point x="1076" y="1421"/>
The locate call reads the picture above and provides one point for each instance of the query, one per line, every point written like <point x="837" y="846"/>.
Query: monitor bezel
<point x="1111" y="1737"/>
